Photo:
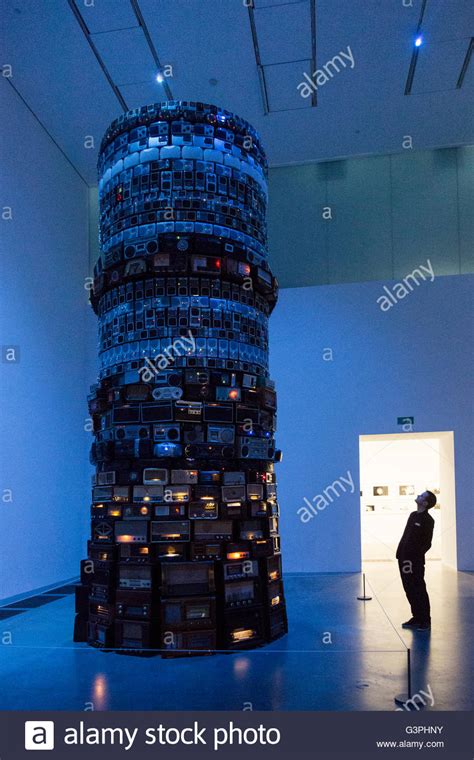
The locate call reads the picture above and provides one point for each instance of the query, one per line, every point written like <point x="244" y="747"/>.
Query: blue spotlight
<point x="159" y="77"/>
<point x="419" y="41"/>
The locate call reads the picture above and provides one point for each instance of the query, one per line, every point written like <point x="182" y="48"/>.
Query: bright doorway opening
<point x="394" y="469"/>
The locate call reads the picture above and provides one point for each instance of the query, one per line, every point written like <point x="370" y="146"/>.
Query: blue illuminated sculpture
<point x="184" y="556"/>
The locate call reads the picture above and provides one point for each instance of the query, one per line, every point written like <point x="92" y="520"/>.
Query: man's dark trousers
<point x="412" y="573"/>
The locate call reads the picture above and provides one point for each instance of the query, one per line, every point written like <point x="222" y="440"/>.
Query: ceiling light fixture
<point x="419" y="41"/>
<point x="159" y="77"/>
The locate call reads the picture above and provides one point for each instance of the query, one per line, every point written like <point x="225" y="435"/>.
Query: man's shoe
<point x="412" y="623"/>
<point x="424" y="627"/>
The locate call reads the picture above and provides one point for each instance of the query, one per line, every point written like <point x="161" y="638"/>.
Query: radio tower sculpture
<point x="184" y="555"/>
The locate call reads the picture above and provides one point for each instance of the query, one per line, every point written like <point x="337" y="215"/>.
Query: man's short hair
<point x="431" y="499"/>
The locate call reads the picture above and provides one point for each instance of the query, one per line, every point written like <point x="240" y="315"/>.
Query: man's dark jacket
<point x="416" y="539"/>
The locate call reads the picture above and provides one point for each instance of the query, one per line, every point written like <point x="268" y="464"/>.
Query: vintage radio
<point x="270" y="491"/>
<point x="101" y="612"/>
<point x="187" y="578"/>
<point x="209" y="477"/>
<point x="255" y="448"/>
<point x="135" y="605"/>
<point x="270" y="568"/>
<point x="240" y="569"/>
<point x="102" y="531"/>
<point x="135" y="576"/>
<point x="136" y="634"/>
<point x="188" y="613"/>
<point x="177" y="493"/>
<point x="120" y="494"/>
<point x="273" y="508"/>
<point x="102" y="494"/>
<point x="265" y="547"/>
<point x="169" y="510"/>
<point x="239" y="550"/>
<point x="207" y="492"/>
<point x="233" y="478"/>
<point x="203" y="510"/>
<point x="212" y="530"/>
<point x="170" y="531"/>
<point x="166" y="433"/>
<point x="234" y="510"/>
<point x="137" y="553"/>
<point x="106" y="511"/>
<point x="243" y="629"/>
<point x="131" y="432"/>
<point x="272" y="526"/>
<point x="247" y="416"/>
<point x="206" y="550"/>
<point x="242" y="593"/>
<point x="276" y="622"/>
<point x="188" y="411"/>
<point x="184" y="476"/>
<point x="255" y="492"/>
<point x="154" y="476"/>
<point x="257" y="476"/>
<point x="187" y="643"/>
<point x="160" y="411"/>
<point x="220" y="434"/>
<point x="209" y="451"/>
<point x="233" y="493"/>
<point x="131" y="532"/>
<point x="274" y="594"/>
<point x="148" y="494"/>
<point x="218" y="412"/>
<point x="137" y="512"/>
<point x="173" y="552"/>
<point x="100" y="635"/>
<point x="258" y="509"/>
<point x="102" y="593"/>
<point x="251" y="530"/>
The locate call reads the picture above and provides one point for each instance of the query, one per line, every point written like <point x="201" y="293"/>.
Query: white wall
<point x="413" y="359"/>
<point x="45" y="313"/>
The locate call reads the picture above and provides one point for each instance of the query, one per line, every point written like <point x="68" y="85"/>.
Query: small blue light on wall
<point x="419" y="41"/>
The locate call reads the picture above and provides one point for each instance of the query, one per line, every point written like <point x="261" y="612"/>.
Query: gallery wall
<point x="372" y="218"/>
<point x="345" y="368"/>
<point x="45" y="329"/>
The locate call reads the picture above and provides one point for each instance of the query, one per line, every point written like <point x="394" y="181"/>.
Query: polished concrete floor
<point x="340" y="654"/>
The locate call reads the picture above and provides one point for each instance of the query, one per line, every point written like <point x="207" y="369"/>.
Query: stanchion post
<point x="364" y="597"/>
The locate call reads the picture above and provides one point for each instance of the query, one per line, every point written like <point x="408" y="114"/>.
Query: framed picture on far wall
<point x="380" y="491"/>
<point x="406" y="490"/>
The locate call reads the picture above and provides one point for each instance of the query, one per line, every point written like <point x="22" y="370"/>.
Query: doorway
<point x="394" y="469"/>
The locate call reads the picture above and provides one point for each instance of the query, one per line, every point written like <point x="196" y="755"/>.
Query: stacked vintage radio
<point x="184" y="555"/>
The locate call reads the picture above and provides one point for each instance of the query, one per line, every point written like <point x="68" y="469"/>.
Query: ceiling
<point x="78" y="63"/>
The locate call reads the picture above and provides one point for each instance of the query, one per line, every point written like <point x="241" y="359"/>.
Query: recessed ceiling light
<point x="419" y="41"/>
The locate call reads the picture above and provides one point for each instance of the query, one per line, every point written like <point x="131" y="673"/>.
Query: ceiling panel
<point x="284" y="32"/>
<point x="57" y="74"/>
<point x="361" y="110"/>
<point x="126" y="55"/>
<point x="439" y="65"/>
<point x="136" y="95"/>
<point x="210" y="44"/>
<point x="106" y="15"/>
<point x="448" y="20"/>
<point x="282" y="80"/>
